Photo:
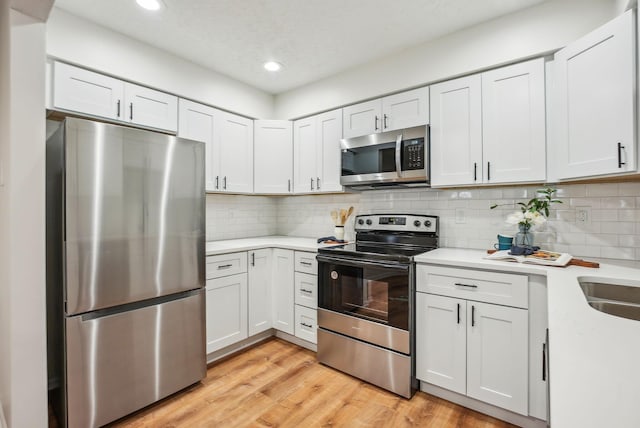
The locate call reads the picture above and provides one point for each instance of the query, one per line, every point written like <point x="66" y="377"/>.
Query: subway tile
<point x="602" y="189"/>
<point x="629" y="189"/>
<point x="571" y="191"/>
<point x="603" y="215"/>
<point x="605" y="239"/>
<point x="618" y="227"/>
<point x="617" y="253"/>
<point x="629" y="241"/>
<point x="584" y="251"/>
<point x="628" y="215"/>
<point x="585" y="202"/>
<point x="617" y="202"/>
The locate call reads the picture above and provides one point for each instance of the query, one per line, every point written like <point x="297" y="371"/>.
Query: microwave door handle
<point x="398" y="155"/>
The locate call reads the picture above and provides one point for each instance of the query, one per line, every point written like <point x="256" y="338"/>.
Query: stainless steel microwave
<point x="394" y="158"/>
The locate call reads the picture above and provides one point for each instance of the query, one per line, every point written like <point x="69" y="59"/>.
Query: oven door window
<point x="375" y="293"/>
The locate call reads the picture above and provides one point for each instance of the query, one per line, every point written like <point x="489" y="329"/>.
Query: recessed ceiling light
<point x="150" y="4"/>
<point x="272" y="66"/>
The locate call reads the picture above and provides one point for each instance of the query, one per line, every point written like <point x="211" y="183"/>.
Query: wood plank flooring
<point x="278" y="384"/>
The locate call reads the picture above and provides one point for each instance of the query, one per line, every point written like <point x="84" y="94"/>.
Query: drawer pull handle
<point x="306" y="263"/>
<point x="306" y="325"/>
<point x="225" y="266"/>
<point x="466" y="285"/>
<point x="304" y="290"/>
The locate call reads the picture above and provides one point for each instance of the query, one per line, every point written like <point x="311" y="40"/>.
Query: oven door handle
<point x="399" y="155"/>
<point x="357" y="263"/>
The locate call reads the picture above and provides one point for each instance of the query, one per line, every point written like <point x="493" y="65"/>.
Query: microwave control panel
<point x="413" y="154"/>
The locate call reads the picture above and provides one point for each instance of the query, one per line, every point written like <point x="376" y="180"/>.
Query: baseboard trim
<point x="297" y="341"/>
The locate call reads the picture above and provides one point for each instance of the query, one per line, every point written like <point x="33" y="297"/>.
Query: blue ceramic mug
<point x="505" y="242"/>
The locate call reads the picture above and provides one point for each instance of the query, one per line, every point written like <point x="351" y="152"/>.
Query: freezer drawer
<point x="118" y="363"/>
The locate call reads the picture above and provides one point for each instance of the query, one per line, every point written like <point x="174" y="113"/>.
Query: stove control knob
<point x="361" y="222"/>
<point x="427" y="223"/>
<point x="416" y="223"/>
<point x="369" y="222"/>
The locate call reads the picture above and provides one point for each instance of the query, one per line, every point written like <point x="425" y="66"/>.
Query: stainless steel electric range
<point x="366" y="299"/>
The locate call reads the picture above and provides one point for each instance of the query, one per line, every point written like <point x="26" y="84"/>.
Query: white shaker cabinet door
<point x="497" y="355"/>
<point x="283" y="291"/>
<point x="513" y="124"/>
<point x="235" y="141"/>
<point x="226" y="311"/>
<point x="456" y="132"/>
<point x="362" y="119"/>
<point x="259" y="290"/>
<point x="441" y="341"/>
<point x="304" y="155"/>
<point x="150" y="108"/>
<point x="273" y="154"/>
<point x="84" y="91"/>
<point x="197" y="122"/>
<point x="328" y="158"/>
<point x="594" y="113"/>
<point x="406" y="109"/>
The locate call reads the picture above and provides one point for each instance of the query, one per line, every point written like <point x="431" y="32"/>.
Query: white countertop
<point x="246" y="244"/>
<point x="594" y="357"/>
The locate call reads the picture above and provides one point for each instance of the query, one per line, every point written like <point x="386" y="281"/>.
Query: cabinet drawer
<point x="306" y="290"/>
<point x="306" y="323"/>
<point x="306" y="262"/>
<point x="483" y="286"/>
<point x="226" y="264"/>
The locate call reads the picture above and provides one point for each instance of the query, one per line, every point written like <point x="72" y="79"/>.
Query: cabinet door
<point x="196" y="122"/>
<point x="441" y="347"/>
<point x="84" y="91"/>
<point x="304" y="155"/>
<point x="456" y="132"/>
<point x="328" y="159"/>
<point x="497" y="355"/>
<point x="513" y="123"/>
<point x="273" y="154"/>
<point x="362" y="119"/>
<point x="226" y="311"/>
<point x="151" y="108"/>
<point x="282" y="290"/>
<point x="235" y="141"/>
<point x="306" y="324"/>
<point x="406" y="109"/>
<point x="595" y="109"/>
<point x="259" y="290"/>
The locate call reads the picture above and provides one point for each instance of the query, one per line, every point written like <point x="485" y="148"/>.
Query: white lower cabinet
<point x="472" y="348"/>
<point x="282" y="291"/>
<point x="226" y="311"/>
<point x="306" y="323"/>
<point x="259" y="292"/>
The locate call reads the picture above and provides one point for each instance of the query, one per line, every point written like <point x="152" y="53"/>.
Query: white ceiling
<point x="313" y="39"/>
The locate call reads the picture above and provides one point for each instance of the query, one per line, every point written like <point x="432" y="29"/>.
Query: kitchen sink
<point x="618" y="298"/>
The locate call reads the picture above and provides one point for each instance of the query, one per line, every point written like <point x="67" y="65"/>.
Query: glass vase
<point x="524" y="238"/>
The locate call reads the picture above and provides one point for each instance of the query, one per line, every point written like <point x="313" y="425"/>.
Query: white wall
<point x="530" y="32"/>
<point x="22" y="247"/>
<point x="5" y="247"/>
<point x="79" y="41"/>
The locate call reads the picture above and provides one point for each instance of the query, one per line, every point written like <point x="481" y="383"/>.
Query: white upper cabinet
<point x="490" y="127"/>
<point x="273" y="151"/>
<point x="94" y="94"/>
<point x="197" y="122"/>
<point x="362" y="119"/>
<point x="456" y="132"/>
<point x="316" y="150"/>
<point x="84" y="91"/>
<point x="513" y="123"/>
<point x="150" y="108"/>
<point x="406" y="109"/>
<point x="235" y="153"/>
<point x="329" y="133"/>
<point x="594" y="112"/>
<point x="403" y="110"/>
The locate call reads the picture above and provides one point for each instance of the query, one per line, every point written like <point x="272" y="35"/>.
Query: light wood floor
<point x="278" y="384"/>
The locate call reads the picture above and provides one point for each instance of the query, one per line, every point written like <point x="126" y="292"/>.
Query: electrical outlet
<point x="583" y="215"/>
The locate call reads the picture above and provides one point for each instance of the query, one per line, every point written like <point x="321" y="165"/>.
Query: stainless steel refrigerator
<point x="125" y="269"/>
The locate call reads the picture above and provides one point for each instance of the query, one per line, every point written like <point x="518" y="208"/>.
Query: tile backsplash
<point x="612" y="229"/>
